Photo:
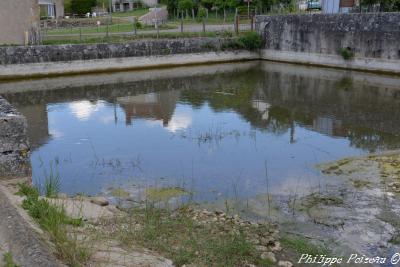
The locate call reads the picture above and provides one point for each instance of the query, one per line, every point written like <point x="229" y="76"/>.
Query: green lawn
<point x="134" y="13"/>
<point x="212" y="19"/>
<point x="123" y="39"/>
<point x="115" y="28"/>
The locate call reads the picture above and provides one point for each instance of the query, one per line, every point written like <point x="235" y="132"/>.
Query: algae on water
<point x="164" y="193"/>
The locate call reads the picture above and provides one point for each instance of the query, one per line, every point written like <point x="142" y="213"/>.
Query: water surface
<point x="219" y="131"/>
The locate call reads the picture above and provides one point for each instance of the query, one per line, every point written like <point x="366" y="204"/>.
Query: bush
<point x="346" y="53"/>
<point x="251" y="40"/>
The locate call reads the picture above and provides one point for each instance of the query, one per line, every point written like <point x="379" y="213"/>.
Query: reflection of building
<point x="329" y="126"/>
<point x="19" y="21"/>
<point x="337" y="6"/>
<point x="38" y="130"/>
<point x="262" y="107"/>
<point x="158" y="106"/>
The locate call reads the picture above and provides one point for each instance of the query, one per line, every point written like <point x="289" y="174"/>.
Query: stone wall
<point x="56" y="53"/>
<point x="373" y="38"/>
<point x="14" y="147"/>
<point x="16" y="18"/>
<point x="367" y="35"/>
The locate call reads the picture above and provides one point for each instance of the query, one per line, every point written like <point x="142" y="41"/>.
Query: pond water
<point x="219" y="131"/>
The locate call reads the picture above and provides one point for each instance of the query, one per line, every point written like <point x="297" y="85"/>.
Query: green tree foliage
<point x="185" y="5"/>
<point x="384" y="5"/>
<point x="82" y="6"/>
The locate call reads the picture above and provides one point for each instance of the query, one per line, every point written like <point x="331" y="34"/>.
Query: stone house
<point x="337" y="6"/>
<point x="19" y="21"/>
<point x="51" y="8"/>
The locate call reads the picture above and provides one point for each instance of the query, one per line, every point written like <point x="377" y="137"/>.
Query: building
<point x="127" y="5"/>
<point x="51" y="8"/>
<point x="337" y="6"/>
<point x="19" y="21"/>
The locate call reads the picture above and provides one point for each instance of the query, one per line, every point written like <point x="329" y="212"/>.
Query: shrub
<point x="251" y="40"/>
<point x="232" y="44"/>
<point x="346" y="53"/>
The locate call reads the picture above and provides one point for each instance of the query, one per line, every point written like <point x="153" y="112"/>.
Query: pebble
<point x="261" y="248"/>
<point x="276" y="246"/>
<point x="268" y="255"/>
<point x="101" y="201"/>
<point x="285" y="264"/>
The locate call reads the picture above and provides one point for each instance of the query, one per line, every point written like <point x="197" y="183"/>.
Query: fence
<point x="107" y="28"/>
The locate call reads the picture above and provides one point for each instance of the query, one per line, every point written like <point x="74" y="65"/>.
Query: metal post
<point x="107" y="31"/>
<point x="252" y="23"/>
<point x="158" y="30"/>
<point x="237" y="24"/>
<point x="204" y="26"/>
<point x="182" y="22"/>
<point x="248" y="8"/>
<point x="110" y="1"/>
<point x="134" y="26"/>
<point x="80" y="34"/>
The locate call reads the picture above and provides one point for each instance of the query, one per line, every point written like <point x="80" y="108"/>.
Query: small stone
<point x="276" y="246"/>
<point x="219" y="212"/>
<point x="101" y="201"/>
<point x="261" y="248"/>
<point x="285" y="264"/>
<point x="268" y="255"/>
<point x="266" y="240"/>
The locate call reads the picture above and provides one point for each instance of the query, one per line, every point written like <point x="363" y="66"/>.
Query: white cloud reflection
<point x="180" y="121"/>
<point x="83" y="110"/>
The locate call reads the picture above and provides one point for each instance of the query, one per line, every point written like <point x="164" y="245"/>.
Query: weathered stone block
<point x="60" y="53"/>
<point x="369" y="35"/>
<point x="14" y="147"/>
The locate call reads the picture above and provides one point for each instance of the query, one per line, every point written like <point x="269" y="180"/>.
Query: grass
<point x="315" y="199"/>
<point x="54" y="221"/>
<point x="248" y="40"/>
<point x="124" y="39"/>
<point x="138" y="12"/>
<point x="212" y="19"/>
<point x="186" y="241"/>
<point x="165" y="193"/>
<point x="300" y="245"/>
<point x="114" y="28"/>
<point x="8" y="260"/>
<point x="52" y="183"/>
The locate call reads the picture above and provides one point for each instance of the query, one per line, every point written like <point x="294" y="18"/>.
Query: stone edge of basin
<point x="14" y="145"/>
<point x="27" y="248"/>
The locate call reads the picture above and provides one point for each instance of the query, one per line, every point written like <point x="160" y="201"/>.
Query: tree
<point x="384" y="5"/>
<point x="224" y="4"/>
<point x="82" y="6"/>
<point x="185" y="5"/>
